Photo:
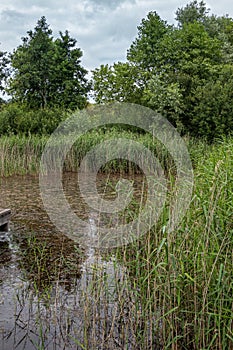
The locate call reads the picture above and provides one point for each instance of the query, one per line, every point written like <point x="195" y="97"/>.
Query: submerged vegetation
<point x="168" y="290"/>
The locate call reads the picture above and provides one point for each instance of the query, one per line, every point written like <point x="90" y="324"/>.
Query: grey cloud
<point x="11" y="18"/>
<point x="107" y="41"/>
<point x="104" y="29"/>
<point x="109" y="3"/>
<point x="12" y="28"/>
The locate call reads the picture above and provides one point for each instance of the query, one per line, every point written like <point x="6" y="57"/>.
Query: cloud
<point x="109" y="4"/>
<point x="104" y="29"/>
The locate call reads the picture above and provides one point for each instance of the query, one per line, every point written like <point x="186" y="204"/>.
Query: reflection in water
<point x="53" y="294"/>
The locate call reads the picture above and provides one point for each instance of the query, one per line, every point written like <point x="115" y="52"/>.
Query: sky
<point x="104" y="29"/>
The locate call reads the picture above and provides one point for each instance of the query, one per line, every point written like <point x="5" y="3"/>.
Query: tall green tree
<point x="213" y="106"/>
<point x="31" y="63"/>
<point x="4" y="69"/>
<point x="193" y="12"/>
<point x="190" y="58"/>
<point x="69" y="85"/>
<point x="220" y="28"/>
<point x="165" y="97"/>
<point x="178" y="70"/>
<point x="127" y="81"/>
<point x="47" y="72"/>
<point x="144" y="49"/>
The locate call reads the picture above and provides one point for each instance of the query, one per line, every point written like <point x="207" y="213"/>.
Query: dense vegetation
<point x="184" y="72"/>
<point x="179" y="284"/>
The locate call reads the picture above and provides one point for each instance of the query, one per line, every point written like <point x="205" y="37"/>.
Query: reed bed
<point x="165" y="291"/>
<point x="187" y="275"/>
<point x="21" y="155"/>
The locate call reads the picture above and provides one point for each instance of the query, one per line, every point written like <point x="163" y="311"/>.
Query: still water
<point x="54" y="293"/>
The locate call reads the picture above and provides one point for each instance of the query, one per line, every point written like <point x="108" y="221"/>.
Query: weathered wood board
<point x="5" y="215"/>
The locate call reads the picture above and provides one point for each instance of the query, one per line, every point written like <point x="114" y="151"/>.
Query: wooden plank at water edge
<point x="5" y="215"/>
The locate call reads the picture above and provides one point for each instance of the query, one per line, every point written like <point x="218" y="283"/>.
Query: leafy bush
<point x="17" y="119"/>
<point x="213" y="113"/>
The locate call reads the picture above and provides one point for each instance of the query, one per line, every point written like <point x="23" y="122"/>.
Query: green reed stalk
<point x="167" y="290"/>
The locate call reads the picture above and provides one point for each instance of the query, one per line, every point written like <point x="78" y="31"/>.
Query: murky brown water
<point x="47" y="280"/>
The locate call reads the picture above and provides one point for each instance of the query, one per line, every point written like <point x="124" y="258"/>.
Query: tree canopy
<point x="47" y="72"/>
<point x="177" y="70"/>
<point x="193" y="12"/>
<point x="183" y="71"/>
<point x="4" y="69"/>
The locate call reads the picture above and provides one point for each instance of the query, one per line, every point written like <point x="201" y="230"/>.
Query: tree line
<point x="183" y="71"/>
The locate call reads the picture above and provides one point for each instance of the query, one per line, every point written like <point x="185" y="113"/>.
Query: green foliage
<point x="70" y="86"/>
<point x="189" y="47"/>
<point x="18" y="119"/>
<point x="165" y="97"/>
<point x="213" y="112"/>
<point x="216" y="27"/>
<point x="47" y="72"/>
<point x="193" y="12"/>
<point x="120" y="82"/>
<point x="144" y="50"/>
<point x="191" y="57"/>
<point x="177" y="71"/>
<point x="4" y="69"/>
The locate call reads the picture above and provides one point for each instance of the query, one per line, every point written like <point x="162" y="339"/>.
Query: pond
<point x="54" y="293"/>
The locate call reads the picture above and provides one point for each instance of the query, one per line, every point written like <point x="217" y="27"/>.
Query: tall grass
<point x="167" y="290"/>
<point x="21" y="154"/>
<point x="186" y="276"/>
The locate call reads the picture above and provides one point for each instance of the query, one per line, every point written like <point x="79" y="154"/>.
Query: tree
<point x="190" y="58"/>
<point x="47" y="72"/>
<point x="4" y="69"/>
<point x="222" y="29"/>
<point x="126" y="81"/>
<point x="192" y="12"/>
<point x="165" y="98"/>
<point x="213" y="112"/>
<point x="120" y="82"/>
<point x="178" y="71"/>
<point x="31" y="62"/>
<point x="144" y="49"/>
<point x="69" y="84"/>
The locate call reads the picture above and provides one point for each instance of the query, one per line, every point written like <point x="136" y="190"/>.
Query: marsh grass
<point x="22" y="154"/>
<point x="164" y="291"/>
<point x="187" y="274"/>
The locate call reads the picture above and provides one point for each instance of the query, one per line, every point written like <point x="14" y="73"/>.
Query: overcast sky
<point x="104" y="29"/>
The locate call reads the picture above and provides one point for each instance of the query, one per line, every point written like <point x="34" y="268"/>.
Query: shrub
<point x="17" y="119"/>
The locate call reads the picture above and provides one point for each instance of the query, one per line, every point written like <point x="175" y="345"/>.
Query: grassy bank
<point x="175" y="291"/>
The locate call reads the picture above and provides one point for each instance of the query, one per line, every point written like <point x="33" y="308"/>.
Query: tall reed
<point x="183" y="279"/>
<point x="20" y="155"/>
<point x="167" y="290"/>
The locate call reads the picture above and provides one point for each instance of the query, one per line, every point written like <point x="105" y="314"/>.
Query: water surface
<point x="50" y="295"/>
